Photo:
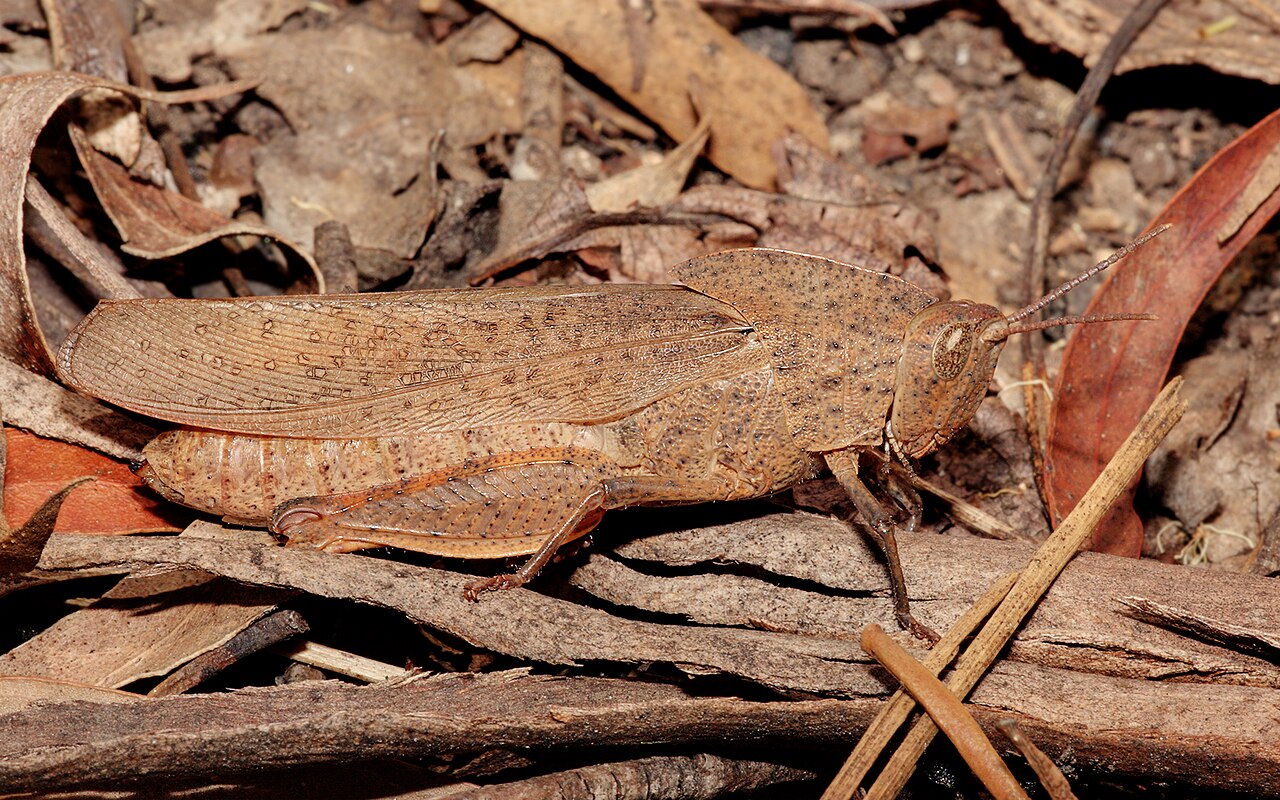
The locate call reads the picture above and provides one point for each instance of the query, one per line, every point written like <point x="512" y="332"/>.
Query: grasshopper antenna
<point x="1015" y="326"/>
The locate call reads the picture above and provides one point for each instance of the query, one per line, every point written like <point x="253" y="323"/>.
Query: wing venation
<point x="404" y="363"/>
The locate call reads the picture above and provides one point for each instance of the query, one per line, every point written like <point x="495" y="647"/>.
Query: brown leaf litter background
<point x="235" y="146"/>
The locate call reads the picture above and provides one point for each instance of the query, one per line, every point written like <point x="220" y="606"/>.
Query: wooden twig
<point x="947" y="712"/>
<point x="262" y="634"/>
<point x="340" y="661"/>
<point x="899" y="706"/>
<point x="1051" y="778"/>
<point x="1086" y="99"/>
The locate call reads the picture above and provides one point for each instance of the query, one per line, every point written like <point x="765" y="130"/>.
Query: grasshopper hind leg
<point x="526" y="503"/>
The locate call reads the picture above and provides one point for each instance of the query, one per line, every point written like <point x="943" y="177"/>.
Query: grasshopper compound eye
<point x="951" y="349"/>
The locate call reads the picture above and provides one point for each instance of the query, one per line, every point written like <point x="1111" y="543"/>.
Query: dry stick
<point x="1086" y="99"/>
<point x="260" y="635"/>
<point x="1045" y="565"/>
<point x="900" y="705"/>
<point x="947" y="711"/>
<point x="968" y="514"/>
<point x="339" y="661"/>
<point x="1051" y="778"/>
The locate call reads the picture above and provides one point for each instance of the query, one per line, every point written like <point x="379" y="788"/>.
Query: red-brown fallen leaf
<point x="1110" y="372"/>
<point x="111" y="504"/>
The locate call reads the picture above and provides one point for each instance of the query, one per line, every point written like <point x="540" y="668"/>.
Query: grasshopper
<point x="497" y="422"/>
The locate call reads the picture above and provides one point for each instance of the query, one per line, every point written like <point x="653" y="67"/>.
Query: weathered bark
<point x="1207" y="736"/>
<point x="1083" y="678"/>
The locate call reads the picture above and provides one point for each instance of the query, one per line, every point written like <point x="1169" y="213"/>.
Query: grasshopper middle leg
<point x="880" y="525"/>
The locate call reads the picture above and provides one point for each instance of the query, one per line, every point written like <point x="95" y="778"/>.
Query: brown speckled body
<point x="728" y="435"/>
<point x="504" y="421"/>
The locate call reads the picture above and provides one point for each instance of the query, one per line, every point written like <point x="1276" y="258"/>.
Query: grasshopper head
<point x="949" y="353"/>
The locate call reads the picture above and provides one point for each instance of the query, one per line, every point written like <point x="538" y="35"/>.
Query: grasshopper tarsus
<point x="916" y="628"/>
<point x="495" y="583"/>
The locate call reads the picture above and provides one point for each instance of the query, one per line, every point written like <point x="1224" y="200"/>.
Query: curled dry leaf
<point x="51" y="230"/>
<point x="157" y="223"/>
<point x="34" y="98"/>
<point x="91" y="38"/>
<point x="750" y="101"/>
<point x="1236" y="39"/>
<point x="1110" y="372"/>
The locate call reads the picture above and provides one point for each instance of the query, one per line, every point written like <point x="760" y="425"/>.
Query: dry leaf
<point x="145" y="626"/>
<point x="750" y="101"/>
<point x="1199" y="471"/>
<point x="648" y="186"/>
<point x="33" y="98"/>
<point x="20" y="547"/>
<point x="892" y="129"/>
<point x="157" y="223"/>
<point x="114" y="503"/>
<point x="41" y="406"/>
<point x="1110" y="372"/>
<point x="367" y="168"/>
<point x="1233" y="38"/>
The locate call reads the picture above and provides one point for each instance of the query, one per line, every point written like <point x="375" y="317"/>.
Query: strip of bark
<point x="700" y="777"/>
<point x="1198" y="735"/>
<point x="518" y="622"/>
